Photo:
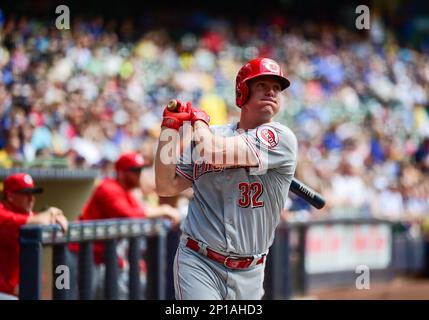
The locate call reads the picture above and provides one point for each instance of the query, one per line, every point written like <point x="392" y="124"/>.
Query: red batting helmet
<point x="253" y="69"/>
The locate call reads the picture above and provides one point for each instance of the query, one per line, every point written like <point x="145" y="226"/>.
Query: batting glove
<point x="199" y="115"/>
<point x="174" y="119"/>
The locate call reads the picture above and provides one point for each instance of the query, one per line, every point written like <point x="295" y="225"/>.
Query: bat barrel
<point x="308" y="194"/>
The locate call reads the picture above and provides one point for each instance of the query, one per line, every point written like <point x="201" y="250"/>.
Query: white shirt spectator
<point x="349" y="191"/>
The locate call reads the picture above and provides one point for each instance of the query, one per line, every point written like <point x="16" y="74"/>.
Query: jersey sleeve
<point x="274" y="146"/>
<point x="185" y="166"/>
<point x="10" y="224"/>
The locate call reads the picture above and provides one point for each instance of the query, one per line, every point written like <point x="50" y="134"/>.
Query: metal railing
<point x="33" y="238"/>
<point x="285" y="273"/>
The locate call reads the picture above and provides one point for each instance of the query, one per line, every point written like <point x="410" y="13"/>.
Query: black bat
<point x="308" y="194"/>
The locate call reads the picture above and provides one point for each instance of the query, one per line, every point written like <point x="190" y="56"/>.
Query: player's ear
<point x="250" y="86"/>
<point x="245" y="105"/>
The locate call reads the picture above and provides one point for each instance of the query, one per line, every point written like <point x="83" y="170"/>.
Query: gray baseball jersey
<point x="236" y="210"/>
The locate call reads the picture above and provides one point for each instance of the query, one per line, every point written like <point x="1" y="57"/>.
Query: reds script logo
<point x="267" y="136"/>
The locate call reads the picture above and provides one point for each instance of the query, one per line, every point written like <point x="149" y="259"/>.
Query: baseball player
<point x="237" y="200"/>
<point x="16" y="210"/>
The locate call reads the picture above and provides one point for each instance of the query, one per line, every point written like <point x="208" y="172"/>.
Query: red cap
<point x="20" y="182"/>
<point x="130" y="161"/>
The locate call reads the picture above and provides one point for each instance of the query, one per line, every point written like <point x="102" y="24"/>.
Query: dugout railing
<point x="383" y="247"/>
<point x="287" y="272"/>
<point x="34" y="238"/>
<point x="291" y="268"/>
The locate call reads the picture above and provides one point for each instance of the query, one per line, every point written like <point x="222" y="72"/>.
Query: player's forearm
<point x="156" y="212"/>
<point x="214" y="149"/>
<point x="165" y="164"/>
<point x="168" y="183"/>
<point x="153" y="212"/>
<point x="208" y="146"/>
<point x="220" y="150"/>
<point x="164" y="211"/>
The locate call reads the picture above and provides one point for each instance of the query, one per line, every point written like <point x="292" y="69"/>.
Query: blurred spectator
<point x="9" y="155"/>
<point x="387" y="201"/>
<point x="422" y="155"/>
<point x="350" y="194"/>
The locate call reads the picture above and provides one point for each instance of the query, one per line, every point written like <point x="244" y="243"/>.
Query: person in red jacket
<point x="16" y="210"/>
<point x="113" y="198"/>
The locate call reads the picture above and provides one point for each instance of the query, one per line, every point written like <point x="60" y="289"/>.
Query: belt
<point x="228" y="261"/>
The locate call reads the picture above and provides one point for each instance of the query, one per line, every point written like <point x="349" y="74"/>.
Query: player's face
<point x="21" y="202"/>
<point x="264" y="99"/>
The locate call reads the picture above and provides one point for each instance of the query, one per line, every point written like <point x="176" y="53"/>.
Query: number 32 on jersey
<point x="250" y="193"/>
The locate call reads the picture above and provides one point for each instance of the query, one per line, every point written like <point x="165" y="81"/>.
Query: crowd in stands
<point x="358" y="101"/>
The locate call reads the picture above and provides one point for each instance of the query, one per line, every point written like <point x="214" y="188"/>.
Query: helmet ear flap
<point x="242" y="93"/>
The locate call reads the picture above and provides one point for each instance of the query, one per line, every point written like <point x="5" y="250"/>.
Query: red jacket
<point x="109" y="200"/>
<point x="10" y="224"/>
